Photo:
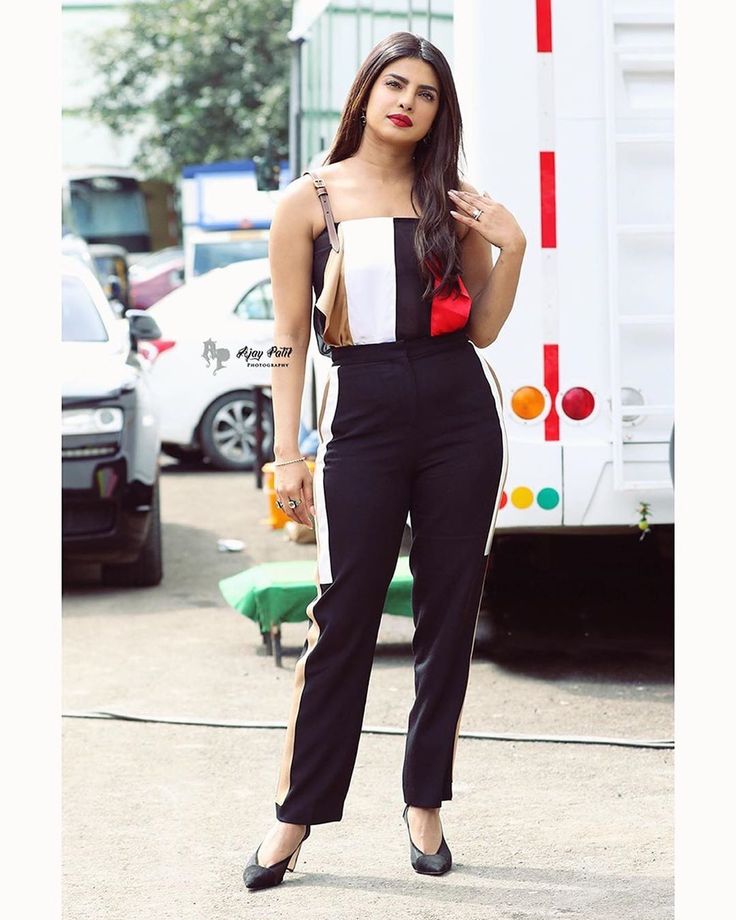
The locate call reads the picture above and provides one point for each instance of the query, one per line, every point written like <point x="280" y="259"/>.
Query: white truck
<point x="579" y="145"/>
<point x="568" y="120"/>
<point x="568" y="112"/>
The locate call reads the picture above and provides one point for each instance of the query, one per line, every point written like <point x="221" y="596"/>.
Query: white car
<point x="216" y="330"/>
<point x="110" y="439"/>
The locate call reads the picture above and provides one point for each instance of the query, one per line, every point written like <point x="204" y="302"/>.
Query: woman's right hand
<point x="293" y="480"/>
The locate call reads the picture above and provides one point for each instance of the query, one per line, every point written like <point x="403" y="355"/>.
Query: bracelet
<point x="284" y="462"/>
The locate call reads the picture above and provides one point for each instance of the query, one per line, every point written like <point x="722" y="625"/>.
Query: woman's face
<point x="409" y="87"/>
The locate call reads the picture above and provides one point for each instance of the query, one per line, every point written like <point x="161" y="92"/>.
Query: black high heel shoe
<point x="257" y="876"/>
<point x="428" y="863"/>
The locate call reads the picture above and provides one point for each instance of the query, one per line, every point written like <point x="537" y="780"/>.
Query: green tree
<point x="203" y="80"/>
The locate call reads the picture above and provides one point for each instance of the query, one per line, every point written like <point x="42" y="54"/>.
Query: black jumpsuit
<point x="411" y="423"/>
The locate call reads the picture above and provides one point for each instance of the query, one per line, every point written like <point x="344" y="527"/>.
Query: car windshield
<point x="80" y="320"/>
<point x="216" y="255"/>
<point x="108" y="205"/>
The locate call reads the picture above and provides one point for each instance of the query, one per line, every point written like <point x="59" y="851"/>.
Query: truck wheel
<point x="147" y="570"/>
<point x="492" y="637"/>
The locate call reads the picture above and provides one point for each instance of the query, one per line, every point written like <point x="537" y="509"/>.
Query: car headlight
<point x="92" y="421"/>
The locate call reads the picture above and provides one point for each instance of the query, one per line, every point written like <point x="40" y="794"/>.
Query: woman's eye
<point x="428" y="95"/>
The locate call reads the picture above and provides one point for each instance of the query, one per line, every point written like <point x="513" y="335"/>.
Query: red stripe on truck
<point x="552" y="383"/>
<point x="548" y="200"/>
<point x="548" y="221"/>
<point x="544" y="25"/>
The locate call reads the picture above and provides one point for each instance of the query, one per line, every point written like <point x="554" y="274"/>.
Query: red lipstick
<point x="402" y="121"/>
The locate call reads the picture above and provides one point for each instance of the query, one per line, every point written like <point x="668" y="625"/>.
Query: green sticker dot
<point x="548" y="498"/>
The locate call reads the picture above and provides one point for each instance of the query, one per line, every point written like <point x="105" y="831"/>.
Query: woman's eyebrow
<point x="404" y="80"/>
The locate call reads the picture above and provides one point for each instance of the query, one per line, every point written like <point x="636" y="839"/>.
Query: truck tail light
<point x="578" y="403"/>
<point x="528" y="402"/>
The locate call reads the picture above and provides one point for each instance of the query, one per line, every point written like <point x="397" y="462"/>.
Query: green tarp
<point x="278" y="592"/>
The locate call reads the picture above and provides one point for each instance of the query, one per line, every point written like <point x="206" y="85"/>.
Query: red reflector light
<point x="578" y="403"/>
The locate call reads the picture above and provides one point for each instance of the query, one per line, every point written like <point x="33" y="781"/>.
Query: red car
<point x="155" y="274"/>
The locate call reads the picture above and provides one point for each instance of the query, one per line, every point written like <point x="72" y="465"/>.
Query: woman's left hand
<point x="496" y="224"/>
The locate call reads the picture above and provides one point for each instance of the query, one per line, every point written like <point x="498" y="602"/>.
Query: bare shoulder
<point x="297" y="210"/>
<point x="330" y="172"/>
<point x="333" y="170"/>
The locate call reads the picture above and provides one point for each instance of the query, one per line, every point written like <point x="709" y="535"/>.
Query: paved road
<point x="159" y="818"/>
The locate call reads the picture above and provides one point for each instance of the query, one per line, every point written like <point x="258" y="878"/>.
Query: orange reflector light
<point x="578" y="403"/>
<point x="528" y="402"/>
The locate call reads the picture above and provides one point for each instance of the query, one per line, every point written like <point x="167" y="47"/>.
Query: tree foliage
<point x="200" y="80"/>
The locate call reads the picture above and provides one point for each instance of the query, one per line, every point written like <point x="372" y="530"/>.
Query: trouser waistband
<point x="381" y="351"/>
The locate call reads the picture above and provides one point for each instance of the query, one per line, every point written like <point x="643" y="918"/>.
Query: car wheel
<point x="147" y="570"/>
<point x="227" y="432"/>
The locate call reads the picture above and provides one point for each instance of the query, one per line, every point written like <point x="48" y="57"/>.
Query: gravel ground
<point x="159" y="818"/>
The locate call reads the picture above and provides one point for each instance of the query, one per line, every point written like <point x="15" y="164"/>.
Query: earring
<point x="427" y="137"/>
<point x="362" y="118"/>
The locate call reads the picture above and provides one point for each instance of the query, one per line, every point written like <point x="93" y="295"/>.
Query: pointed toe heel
<point x="428" y="863"/>
<point x="258" y="876"/>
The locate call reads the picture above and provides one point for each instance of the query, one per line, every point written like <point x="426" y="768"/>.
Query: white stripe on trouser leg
<point x="324" y="563"/>
<point x="283" y="784"/>
<point x="495" y="390"/>
<point x="492" y="383"/>
<point x="323" y="575"/>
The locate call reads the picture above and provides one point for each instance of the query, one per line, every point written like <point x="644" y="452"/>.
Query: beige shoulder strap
<point x="325" y="201"/>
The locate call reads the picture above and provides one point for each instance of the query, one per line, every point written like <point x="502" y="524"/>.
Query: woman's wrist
<point x="286" y="451"/>
<point x="289" y="462"/>
<point x="515" y="246"/>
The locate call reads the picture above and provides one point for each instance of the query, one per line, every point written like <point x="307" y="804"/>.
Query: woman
<point x="397" y="250"/>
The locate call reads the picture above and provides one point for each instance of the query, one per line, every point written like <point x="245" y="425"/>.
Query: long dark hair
<point x="436" y="162"/>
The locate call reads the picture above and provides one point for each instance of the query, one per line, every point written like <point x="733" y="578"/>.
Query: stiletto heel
<point x="257" y="876"/>
<point x="292" y="862"/>
<point x="428" y="863"/>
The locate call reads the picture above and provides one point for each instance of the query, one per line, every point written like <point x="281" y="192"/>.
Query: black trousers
<point x="413" y="427"/>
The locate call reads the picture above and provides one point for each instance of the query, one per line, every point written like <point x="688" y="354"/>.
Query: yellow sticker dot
<point x="522" y="497"/>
